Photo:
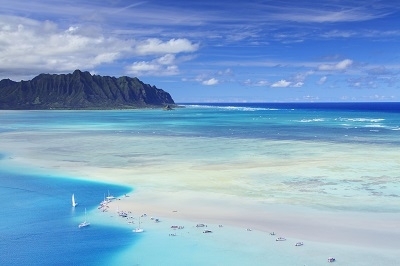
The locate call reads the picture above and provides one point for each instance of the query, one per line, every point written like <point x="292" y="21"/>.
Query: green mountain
<point x="80" y="90"/>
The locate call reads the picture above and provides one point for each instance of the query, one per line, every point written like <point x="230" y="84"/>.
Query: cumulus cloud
<point x="162" y="66"/>
<point x="281" y="84"/>
<point x="340" y="66"/>
<point x="30" y="46"/>
<point x="173" y="46"/>
<point x="210" y="82"/>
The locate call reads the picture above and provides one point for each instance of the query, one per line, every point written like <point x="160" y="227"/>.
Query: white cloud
<point x="34" y="45"/>
<point x="30" y="47"/>
<point x="340" y="66"/>
<point x="298" y="84"/>
<point x="322" y="80"/>
<point x="262" y="83"/>
<point x="173" y="46"/>
<point x="167" y="59"/>
<point x="210" y="82"/>
<point x="226" y="72"/>
<point x="281" y="84"/>
<point x="163" y="66"/>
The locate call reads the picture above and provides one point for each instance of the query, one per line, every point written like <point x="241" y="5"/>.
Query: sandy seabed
<point x="316" y="193"/>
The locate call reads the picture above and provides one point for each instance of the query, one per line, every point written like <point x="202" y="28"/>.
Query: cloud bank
<point x="40" y="46"/>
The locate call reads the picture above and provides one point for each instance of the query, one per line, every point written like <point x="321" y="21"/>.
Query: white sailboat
<point x="138" y="229"/>
<point x="74" y="203"/>
<point x="84" y="223"/>
<point x="110" y="197"/>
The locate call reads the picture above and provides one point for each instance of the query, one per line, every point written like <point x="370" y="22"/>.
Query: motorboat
<point x="299" y="244"/>
<point x="331" y="259"/>
<point x="280" y="239"/>
<point x="84" y="223"/>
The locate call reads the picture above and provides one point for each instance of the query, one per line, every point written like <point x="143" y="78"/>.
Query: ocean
<point x="323" y="156"/>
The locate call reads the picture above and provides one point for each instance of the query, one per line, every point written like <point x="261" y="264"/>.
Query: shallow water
<point x="329" y="158"/>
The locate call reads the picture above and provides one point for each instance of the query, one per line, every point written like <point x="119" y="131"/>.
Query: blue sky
<point x="211" y="50"/>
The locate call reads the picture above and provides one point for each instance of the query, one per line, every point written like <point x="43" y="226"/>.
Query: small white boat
<point x="84" y="223"/>
<point x="207" y="231"/>
<point x="138" y="230"/>
<point x="280" y="239"/>
<point x="299" y="244"/>
<point x="330" y="259"/>
<point x="74" y="203"/>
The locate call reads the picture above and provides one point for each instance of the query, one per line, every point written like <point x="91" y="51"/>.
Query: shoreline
<point x="229" y="234"/>
<point x="289" y="221"/>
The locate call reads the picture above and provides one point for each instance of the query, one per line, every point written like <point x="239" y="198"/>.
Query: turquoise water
<point x="324" y="156"/>
<point x="38" y="226"/>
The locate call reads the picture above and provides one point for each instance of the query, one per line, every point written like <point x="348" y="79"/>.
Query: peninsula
<point x="80" y="90"/>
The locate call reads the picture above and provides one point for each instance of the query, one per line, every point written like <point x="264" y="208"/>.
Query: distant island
<point x="80" y="90"/>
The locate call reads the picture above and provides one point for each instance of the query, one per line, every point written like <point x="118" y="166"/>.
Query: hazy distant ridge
<point x="80" y="90"/>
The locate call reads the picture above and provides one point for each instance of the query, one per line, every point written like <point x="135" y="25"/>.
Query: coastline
<point x="233" y="228"/>
<point x="341" y="228"/>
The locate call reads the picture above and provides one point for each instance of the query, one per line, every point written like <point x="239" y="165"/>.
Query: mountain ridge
<point x="80" y="90"/>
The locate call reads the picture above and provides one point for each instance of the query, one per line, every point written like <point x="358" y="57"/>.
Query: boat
<point x="330" y="259"/>
<point x="177" y="227"/>
<point x="110" y="197"/>
<point x="74" y="203"/>
<point x="122" y="214"/>
<point x="104" y="202"/>
<point x="84" y="223"/>
<point x="280" y="239"/>
<point x="299" y="244"/>
<point x="138" y="229"/>
<point x="207" y="231"/>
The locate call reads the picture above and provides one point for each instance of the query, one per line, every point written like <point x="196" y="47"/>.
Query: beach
<point x="316" y="192"/>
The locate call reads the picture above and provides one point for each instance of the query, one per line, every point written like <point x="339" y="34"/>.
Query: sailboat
<point x="74" y="203"/>
<point x="138" y="229"/>
<point x="84" y="223"/>
<point x="110" y="197"/>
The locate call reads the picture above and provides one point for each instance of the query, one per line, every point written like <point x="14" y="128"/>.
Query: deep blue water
<point x="336" y="122"/>
<point x="37" y="225"/>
